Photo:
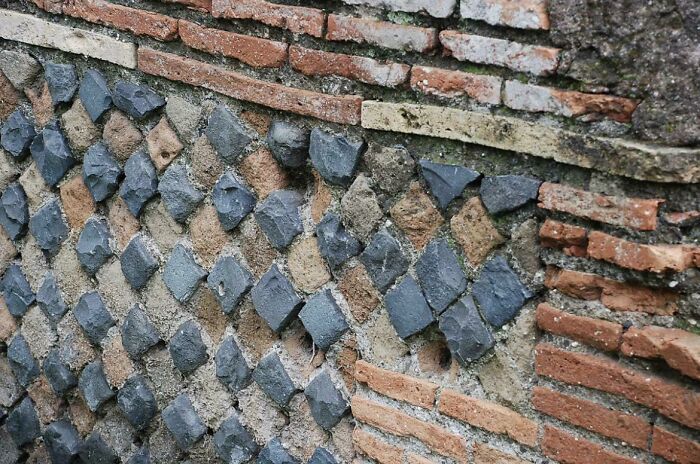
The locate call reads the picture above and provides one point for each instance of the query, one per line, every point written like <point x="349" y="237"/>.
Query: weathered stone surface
<point x="302" y="435"/>
<point x="306" y="266"/>
<point x="39" y="96"/>
<point x="14" y="211"/>
<point x="79" y="129"/>
<point x="384" y="259"/>
<point x="101" y="172"/>
<point x="274" y="453"/>
<point x="77" y="201"/>
<point x="138" y="101"/>
<point x="232" y="200"/>
<point x="20" y="68"/>
<point x="10" y="97"/>
<point x="94" y="449"/>
<point x="446" y="181"/>
<point x="499" y="292"/>
<point x="95" y="94"/>
<point x="10" y="389"/>
<point x="279" y="217"/>
<point x="22" y="423"/>
<point x="17" y="291"/>
<point x="136" y="401"/>
<point x="440" y="275"/>
<point x="164" y="230"/>
<point x="335" y="156"/>
<point x="163" y="144"/>
<point x="323" y="319"/>
<point x="408" y="311"/>
<point x="415" y="214"/>
<point x="206" y="165"/>
<point x="52" y="154"/>
<point x="208" y="236"/>
<point x="121" y="135"/>
<point x="275" y="299"/>
<point x="182" y="273"/>
<point x="93" y="247"/>
<point x="24" y="366"/>
<point x="334" y="242"/>
<point x="140" y="182"/>
<point x="62" y="80"/>
<point x="58" y="373"/>
<point x="117" y="364"/>
<point x="138" y="262"/>
<point x="93" y="316"/>
<point x="360" y="294"/>
<point x="179" y="195"/>
<point x="468" y="338"/>
<point x="183" y="114"/>
<point x="142" y="456"/>
<point x="473" y="230"/>
<point x="272" y="377"/>
<point x="187" y="348"/>
<point x="123" y="224"/>
<point x="183" y="422"/>
<point x="233" y="443"/>
<point x="94" y="386"/>
<point x="17" y="134"/>
<point x="288" y="143"/>
<point x="38" y="332"/>
<point x="327" y="403"/>
<point x="227" y="134"/>
<point x="263" y="173"/>
<point x="75" y="348"/>
<point x="260" y="414"/>
<point x="322" y="456"/>
<point x="8" y="169"/>
<point x="360" y="209"/>
<point x="49" y="407"/>
<point x="138" y="333"/>
<point x="62" y="441"/>
<point x="321" y="199"/>
<point x="391" y="167"/>
<point x="436" y="8"/>
<point x="229" y="282"/>
<point x="231" y="366"/>
<point x="507" y="193"/>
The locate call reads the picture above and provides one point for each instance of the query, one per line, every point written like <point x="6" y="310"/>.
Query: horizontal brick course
<point x="674" y="448"/>
<point x="437" y="8"/>
<point x="573" y="240"/>
<point x="484" y="454"/>
<point x="293" y="18"/>
<point x="599" y="334"/>
<point x="680" y="349"/>
<point x="569" y="449"/>
<point x="446" y="83"/>
<point x="381" y="33"/>
<point x="376" y="449"/>
<point x="203" y="5"/>
<point x="523" y="14"/>
<point x="398" y="386"/>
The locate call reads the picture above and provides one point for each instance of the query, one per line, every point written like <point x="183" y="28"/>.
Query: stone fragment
<point x="408" y="311"/>
<point x="94" y="386"/>
<point x="232" y="200"/>
<point x="95" y="450"/>
<point x="207" y="235"/>
<point x="123" y="224"/>
<point x="24" y="366"/>
<point x="334" y="156"/>
<point x="34" y="187"/>
<point x="117" y="364"/>
<point x="227" y="134"/>
<point x="275" y="299"/>
<point x="17" y="291"/>
<point x="229" y="282"/>
<point x="14" y="211"/>
<point x="234" y="443"/>
<point x="253" y="331"/>
<point x="161" y="226"/>
<point x="62" y="80"/>
<point x="183" y="422"/>
<point x="322" y="456"/>
<point x="49" y="407"/>
<point x="62" y="441"/>
<point x="140" y="182"/>
<point x="306" y="266"/>
<point x="52" y="154"/>
<point x="142" y="456"/>
<point x="93" y="316"/>
<point x="272" y="378"/>
<point x="303" y="434"/>
<point x="274" y="453"/>
<point x="359" y="292"/>
<point x="20" y="68"/>
<point x="138" y="333"/>
<point x="8" y="250"/>
<point x="17" y="134"/>
<point x="206" y="165"/>
<point x="163" y="144"/>
<point x="334" y="242"/>
<point x="499" y="292"/>
<point x="440" y="275"/>
<point x="446" y="181"/>
<point x="58" y="373"/>
<point x="391" y="167"/>
<point x="39" y="96"/>
<point x="288" y="143"/>
<point x="326" y="401"/>
<point x="10" y="389"/>
<point x="137" y="403"/>
<point x="415" y="214"/>
<point x="10" y="97"/>
<point x="23" y="423"/>
<point x="501" y="194"/>
<point x="323" y="319"/>
<point x="473" y="230"/>
<point x="360" y="209"/>
<point x="8" y="168"/>
<point x="79" y="129"/>
<point x="138" y="101"/>
<point x="209" y="314"/>
<point x="183" y="114"/>
<point x="77" y="201"/>
<point x="384" y="259"/>
<point x="138" y="262"/>
<point x="93" y="247"/>
<point x="263" y="173"/>
<point x="279" y="217"/>
<point x="231" y="366"/>
<point x="468" y="338"/>
<point x="95" y="94"/>
<point x="182" y="273"/>
<point x="179" y="195"/>
<point x="187" y="348"/>
<point x="38" y="332"/>
<point x="121" y="135"/>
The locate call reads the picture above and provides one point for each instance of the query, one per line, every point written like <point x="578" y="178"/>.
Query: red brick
<point x="381" y="33"/>
<point x="599" y="334"/>
<point x="203" y="5"/>
<point x="340" y="109"/>
<point x="523" y="14"/>
<point x="682" y="219"/>
<point x="294" y="18"/>
<point x="489" y="416"/>
<point x="571" y="239"/>
<point x="568" y="449"/>
<point x="675" y="448"/>
<point x="484" y="454"/>
<point x="319" y="63"/>
<point x="376" y="449"/>
<point x="600" y="373"/>
<point x="398" y="386"/>
<point x="451" y="84"/>
<point x="680" y="349"/>
<point x="413" y="458"/>
<point x="591" y="416"/>
<point x="253" y="51"/>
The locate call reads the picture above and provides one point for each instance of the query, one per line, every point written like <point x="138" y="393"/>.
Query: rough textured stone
<point x="62" y="80"/>
<point x="183" y="114"/>
<point x="142" y="456"/>
<point x="10" y="97"/>
<point x="38" y="331"/>
<point x="407" y="308"/>
<point x="14" y="211"/>
<point x="117" y="364"/>
<point x="94" y="386"/>
<point x="136" y="401"/>
<point x="272" y="378"/>
<point x="138" y="262"/>
<point x="499" y="292"/>
<point x="95" y="450"/>
<point x="232" y="200"/>
<point x="260" y="414"/>
<point x="227" y="134"/>
<point x="207" y="235"/>
<point x="58" y="373"/>
<point x="17" y="134"/>
<point x="507" y="193"/>
<point x="20" y="68"/>
<point x="77" y="201"/>
<point x="8" y="250"/>
<point x="446" y="181"/>
<point x="22" y="423"/>
<point x="161" y="226"/>
<point x="274" y="453"/>
<point x="179" y="195"/>
<point x="79" y="129"/>
<point x="327" y="403"/>
<point x="263" y="173"/>
<point x="123" y="224"/>
<point x="163" y="144"/>
<point x="391" y="167"/>
<point x="474" y="231"/>
<point x="229" y="282"/>
<point x="302" y="435"/>
<point x="93" y="247"/>
<point x="440" y="275"/>
<point x="468" y="338"/>
<point x="384" y="259"/>
<point x="359" y="292"/>
<point x="140" y="182"/>
<point x="138" y="101"/>
<point x="10" y="389"/>
<point x="39" y="96"/>
<point x="334" y="156"/>
<point x="275" y="299"/>
<point x="121" y="136"/>
<point x="279" y="217"/>
<point x="415" y="214"/>
<point x="138" y="333"/>
<point x="52" y="154"/>
<point x="323" y="319"/>
<point x="34" y="187"/>
<point x="17" y="291"/>
<point x="231" y="366"/>
<point x="8" y="169"/>
<point x="233" y="443"/>
<point x="95" y="94"/>
<point x="93" y="316"/>
<point x="24" y="366"/>
<point x="183" y="422"/>
<point x="187" y="348"/>
<point x="360" y="209"/>
<point x="209" y="314"/>
<point x="306" y="266"/>
<point x="334" y="242"/>
<point x="321" y="199"/>
<point x="62" y="441"/>
<point x="288" y="143"/>
<point x="322" y="456"/>
<point x="206" y="165"/>
<point x="182" y="273"/>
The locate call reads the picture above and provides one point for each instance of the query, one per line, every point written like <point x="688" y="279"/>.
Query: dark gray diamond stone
<point x="52" y="154"/>
<point x="468" y="337"/>
<point x="94" y="386"/>
<point x="140" y="182"/>
<point x="96" y="451"/>
<point x="93" y="246"/>
<point x="59" y="375"/>
<point x="138" y="262"/>
<point x="101" y="172"/>
<point x="50" y="299"/>
<point x="325" y="400"/>
<point x="234" y="443"/>
<point x="178" y="193"/>
<point x="440" y="275"/>
<point x="334" y="156"/>
<point x="279" y="217"/>
<point x="334" y="242"/>
<point x="142" y="456"/>
<point x="507" y="193"/>
<point x="322" y="456"/>
<point x="232" y="201"/>
<point x="187" y="348"/>
<point x="138" y="101"/>
<point x="408" y="311"/>
<point x="17" y="134"/>
<point x="62" y="80"/>
<point x="16" y="290"/>
<point x="22" y="362"/>
<point x="227" y="134"/>
<point x="499" y="292"/>
<point x="274" y="453"/>
<point x="92" y="315"/>
<point x="62" y="441"/>
<point x="136" y="401"/>
<point x="229" y="282"/>
<point x="446" y="181"/>
<point x="23" y="423"/>
<point x="138" y="333"/>
<point x="275" y="299"/>
<point x="288" y="143"/>
<point x="323" y="319"/>
<point x="95" y="94"/>
<point x="182" y="273"/>
<point x="183" y="422"/>
<point x="384" y="260"/>
<point x="14" y="211"/>
<point x="231" y="367"/>
<point x="48" y="227"/>
<point x="272" y="378"/>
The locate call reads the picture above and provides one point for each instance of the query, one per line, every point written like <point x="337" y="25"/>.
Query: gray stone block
<point x="334" y="156"/>
<point x="468" y="337"/>
<point x="272" y="378"/>
<point x="408" y="311"/>
<point x="140" y="182"/>
<point x="231" y="366"/>
<point x="92" y="315"/>
<point x="48" y="227"/>
<point x="279" y="217"/>
<point x="325" y="400"/>
<point x="440" y="275"/>
<point x="138" y="333"/>
<point x="101" y="172"/>
<point x="234" y="444"/>
<point x="52" y="154"/>
<point x="95" y="94"/>
<point x="288" y="143"/>
<point x="59" y="375"/>
<point x="501" y="194"/>
<point x="182" y="274"/>
<point x="187" y="348"/>
<point x="93" y="247"/>
<point x="322" y="456"/>
<point x="227" y="134"/>
<point x="96" y="451"/>
<point x="499" y="292"/>
<point x="16" y="290"/>
<point x="334" y="242"/>
<point x="275" y="299"/>
<point x="138" y="262"/>
<point x="20" y="68"/>
<point x="22" y="362"/>
<point x="62" y="441"/>
<point x="94" y="387"/>
<point x="23" y="423"/>
<point x="137" y="402"/>
<point x="50" y="299"/>
<point x="446" y="181"/>
<point x="229" y="282"/>
<point x="138" y="101"/>
<point x="178" y="193"/>
<point x="17" y="134"/>
<point x="183" y="422"/>
<point x="14" y="211"/>
<point x="274" y="453"/>
<point x="323" y="319"/>
<point x="384" y="260"/>
<point x="232" y="200"/>
<point x="142" y="456"/>
<point x="62" y="81"/>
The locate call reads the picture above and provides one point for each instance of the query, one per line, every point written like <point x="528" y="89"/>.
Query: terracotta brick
<point x="571" y="239"/>
<point x="359" y="68"/>
<point x="306" y="265"/>
<point x="451" y="84"/>
<point x="202" y="5"/>
<point x="321" y="199"/>
<point x="7" y="322"/>
<point x="263" y="173"/>
<point x="670" y="399"/>
<point x="680" y="349"/>
<point x="253" y="51"/>
<point x="207" y="235"/>
<point x="376" y="449"/>
<point x="413" y="458"/>
<point x="674" y="448"/>
<point x="293" y="18"/>
<point x="381" y="33"/>
<point x="345" y="361"/>
<point x="398" y="386"/>
<point x="359" y="292"/>
<point x="78" y="204"/>
<point x="523" y="14"/>
<point x="484" y="454"/>
<point x="398" y="423"/>
<point x="122" y="223"/>
<point x="591" y="416"/>
<point x="599" y="334"/>
<point x="42" y="105"/>
<point x="684" y="354"/>
<point x="473" y="230"/>
<point x="49" y="406"/>
<point x="568" y="449"/>
<point x="9" y="97"/>
<point x="163" y="144"/>
<point x="489" y="416"/>
<point x="121" y="136"/>
<point x="344" y="109"/>
<point x="416" y="215"/>
<point x="682" y="219"/>
<point x="52" y="6"/>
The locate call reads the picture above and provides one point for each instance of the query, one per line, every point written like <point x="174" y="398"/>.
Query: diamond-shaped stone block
<point x="23" y="423"/>
<point x="95" y="449"/>
<point x="229" y="282"/>
<point x="93" y="247"/>
<point x="140" y="182"/>
<point x="234" y="444"/>
<point x="279" y="217"/>
<point x="14" y="211"/>
<point x="52" y="154"/>
<point x="137" y="402"/>
<point x="95" y="94"/>
<point x="335" y="156"/>
<point x="446" y="181"/>
<point x="408" y="311"/>
<point x="384" y="259"/>
<point x="138" y="101"/>
<point x="499" y="292"/>
<point x="501" y="194"/>
<point x="322" y="456"/>
<point x="275" y="299"/>
<point x="50" y="299"/>
<point x="323" y="319"/>
<point x="468" y="337"/>
<point x="232" y="200"/>
<point x="325" y="400"/>
<point x="231" y="366"/>
<point x="334" y="242"/>
<point x="48" y="227"/>
<point x="24" y="366"/>
<point x="183" y="422"/>
<point x="58" y="373"/>
<point x="182" y="274"/>
<point x="17" y="134"/>
<point x="415" y="214"/>
<point x="440" y="275"/>
<point x="138" y="333"/>
<point x="94" y="386"/>
<point x="179" y="194"/>
<point x="163" y="144"/>
<point x="288" y="143"/>
<point x="62" y="80"/>
<point x="101" y="172"/>
<point x="16" y="290"/>
<point x="227" y="134"/>
<point x="187" y="348"/>
<point x="138" y="262"/>
<point x="272" y="378"/>
<point x="62" y="441"/>
<point x="274" y="453"/>
<point x="93" y="316"/>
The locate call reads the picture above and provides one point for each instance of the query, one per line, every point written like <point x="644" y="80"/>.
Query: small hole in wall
<point x="435" y="357"/>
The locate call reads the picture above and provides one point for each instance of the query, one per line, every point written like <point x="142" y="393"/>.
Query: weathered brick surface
<point x="398" y="386"/>
<point x="381" y="33"/>
<point x="569" y="449"/>
<point x="376" y="449"/>
<point x="573" y="240"/>
<point x="437" y="8"/>
<point x="523" y="14"/>
<point x="450" y="84"/>
<point x="680" y="349"/>
<point x="597" y="333"/>
<point x="474" y="231"/>
<point x="674" y="448"/>
<point x="296" y="19"/>
<point x="416" y="215"/>
<point x="203" y="5"/>
<point x="484" y="454"/>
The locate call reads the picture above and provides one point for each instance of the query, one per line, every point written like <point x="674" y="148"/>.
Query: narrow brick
<point x="202" y="5"/>
<point x="376" y="449"/>
<point x="680" y="349"/>
<point x="253" y="51"/>
<point x="674" y="448"/>
<point x="319" y="63"/>
<point x="340" y="109"/>
<point x="591" y="416"/>
<point x="436" y="8"/>
<point x="398" y="423"/>
<point x="523" y="14"/>
<point x="413" y="458"/>
<point x="573" y="240"/>
<point x="381" y="33"/>
<point x="682" y="218"/>
<point x="293" y="18"/>
<point x="484" y="454"/>
<point x="602" y="374"/>
<point x="451" y="84"/>
<point x="568" y="449"/>
<point x="489" y="416"/>
<point x="398" y="386"/>
<point x="599" y="334"/>
<point x="635" y="213"/>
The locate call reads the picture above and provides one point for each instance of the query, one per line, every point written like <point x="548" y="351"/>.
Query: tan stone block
<point x="210" y="397"/>
<point x="306" y="265"/>
<point x="121" y="135"/>
<point x="253" y="332"/>
<point x="8" y="250"/>
<point x="117" y="364"/>
<point x="260" y="413"/>
<point x="164" y="377"/>
<point x="9" y="97"/>
<point x="261" y="171"/>
<point x="78" y="204"/>
<point x="416" y="216"/>
<point x="38" y="332"/>
<point x="80" y="415"/>
<point x="70" y="276"/>
<point x="207" y="235"/>
<point x="79" y="128"/>
<point x="123" y="224"/>
<point x="161" y="226"/>
<point x="8" y="168"/>
<point x="258" y="121"/>
<point x="42" y="106"/>
<point x="115" y="290"/>
<point x="76" y="350"/>
<point x="163" y="144"/>
<point x="7" y="322"/>
<point x="302" y="355"/>
<point x="48" y="405"/>
<point x="359" y="292"/>
<point x="360" y="209"/>
<point x="256" y="249"/>
<point x="34" y="187"/>
<point x="385" y="344"/>
<point x="303" y="435"/>
<point x="474" y="231"/>
<point x="206" y="164"/>
<point x="209" y="314"/>
<point x="321" y="199"/>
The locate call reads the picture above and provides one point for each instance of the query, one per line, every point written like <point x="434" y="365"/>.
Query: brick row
<point x="674" y="448"/>
<point x="569" y="449"/>
<point x="436" y="8"/>
<point x="680" y="349"/>
<point x="450" y="84"/>
<point x="572" y="240"/>
<point x="202" y="5"/>
<point x="293" y="18"/>
<point x="376" y="449"/>
<point x="604" y="335"/>
<point x="398" y="386"/>
<point x="381" y="33"/>
<point x="523" y="14"/>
